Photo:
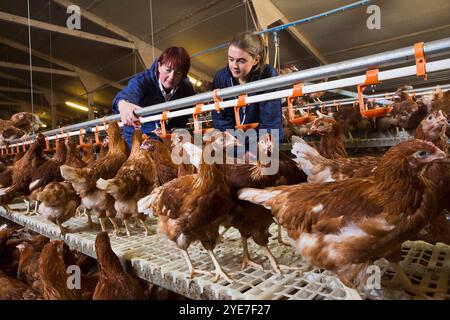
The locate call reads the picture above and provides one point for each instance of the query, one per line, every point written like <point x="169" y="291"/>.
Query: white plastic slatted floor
<point x="159" y="261"/>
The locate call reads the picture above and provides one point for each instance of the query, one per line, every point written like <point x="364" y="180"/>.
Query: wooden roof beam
<point x="43" y="56"/>
<point x="144" y="49"/>
<point x="18" y="66"/>
<point x="267" y="13"/>
<point x="59" y="29"/>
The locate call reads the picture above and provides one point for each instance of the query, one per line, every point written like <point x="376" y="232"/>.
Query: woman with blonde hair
<point x="246" y="63"/>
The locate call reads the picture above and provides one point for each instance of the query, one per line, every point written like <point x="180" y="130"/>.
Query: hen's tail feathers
<point x="7" y="195"/>
<point x="145" y="204"/>
<point x="110" y="186"/>
<point x="102" y="184"/>
<point x="306" y="156"/>
<point x="258" y="196"/>
<point x="72" y="174"/>
<point x="33" y="185"/>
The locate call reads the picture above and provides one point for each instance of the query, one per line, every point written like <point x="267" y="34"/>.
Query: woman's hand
<point x="127" y="115"/>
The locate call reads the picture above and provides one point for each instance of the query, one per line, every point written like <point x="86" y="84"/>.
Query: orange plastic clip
<point x="81" y="137"/>
<point x="336" y="105"/>
<point x="241" y="103"/>
<point x="198" y="110"/>
<point x="217" y="100"/>
<point x="371" y="78"/>
<point x="421" y="62"/>
<point x="47" y="144"/>
<point x="297" y="92"/>
<point x="164" y="134"/>
<point x="96" y="136"/>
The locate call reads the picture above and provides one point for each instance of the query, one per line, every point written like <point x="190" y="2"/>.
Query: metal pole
<point x="352" y="81"/>
<point x="418" y="91"/>
<point x="431" y="49"/>
<point x="291" y="24"/>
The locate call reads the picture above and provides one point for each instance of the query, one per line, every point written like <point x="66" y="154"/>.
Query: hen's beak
<point x="440" y="156"/>
<point x="442" y="160"/>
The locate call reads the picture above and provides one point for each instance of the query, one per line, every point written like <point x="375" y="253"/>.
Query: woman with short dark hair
<point x="165" y="80"/>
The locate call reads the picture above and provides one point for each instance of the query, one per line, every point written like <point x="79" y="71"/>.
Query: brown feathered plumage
<point x="26" y="121"/>
<point x="84" y="179"/>
<point x="331" y="137"/>
<point x="28" y="269"/>
<point x="53" y="273"/>
<point x="59" y="203"/>
<point x="49" y="170"/>
<point x="251" y="220"/>
<point x="6" y="176"/>
<point x="73" y="157"/>
<point x="135" y="179"/>
<point x="192" y="208"/>
<point x="23" y="171"/>
<point x="320" y="169"/>
<point x="344" y="226"/>
<point x="113" y="282"/>
<point x="165" y="168"/>
<point x="432" y="128"/>
<point x="13" y="289"/>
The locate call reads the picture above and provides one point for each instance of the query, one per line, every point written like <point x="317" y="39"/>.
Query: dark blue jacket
<point x="268" y="113"/>
<point x="143" y="90"/>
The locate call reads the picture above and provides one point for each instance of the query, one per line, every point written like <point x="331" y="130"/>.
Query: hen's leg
<point x="89" y="218"/>
<point x="27" y="202"/>
<point x="278" y="236"/>
<point x="147" y="230"/>
<point x="7" y="208"/>
<point x="63" y="230"/>
<point x="103" y="224"/>
<point x="126" y="223"/>
<point x="350" y="137"/>
<point x="410" y="287"/>
<point x="219" y="270"/>
<point x="36" y="205"/>
<point x="192" y="270"/>
<point x="274" y="263"/>
<point x="117" y="231"/>
<point x="246" y="260"/>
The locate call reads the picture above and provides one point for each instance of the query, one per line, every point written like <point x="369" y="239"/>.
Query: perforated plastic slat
<point x="159" y="261"/>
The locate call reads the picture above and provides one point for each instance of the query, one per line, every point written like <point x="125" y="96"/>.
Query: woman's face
<point x="168" y="76"/>
<point x="240" y="62"/>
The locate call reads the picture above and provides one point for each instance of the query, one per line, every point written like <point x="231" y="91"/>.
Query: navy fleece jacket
<point x="143" y="90"/>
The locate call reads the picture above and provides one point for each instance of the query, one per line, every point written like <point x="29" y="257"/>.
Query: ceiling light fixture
<point x="77" y="106"/>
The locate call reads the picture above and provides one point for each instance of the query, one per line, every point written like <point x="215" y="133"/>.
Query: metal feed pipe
<point x="351" y="81"/>
<point x="398" y="56"/>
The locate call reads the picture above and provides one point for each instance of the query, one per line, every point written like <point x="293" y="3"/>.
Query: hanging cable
<point x="151" y="30"/>
<point x="276" y="58"/>
<point x="135" y="57"/>
<point x="51" y="63"/>
<point x="246" y="16"/>
<point x="31" y="62"/>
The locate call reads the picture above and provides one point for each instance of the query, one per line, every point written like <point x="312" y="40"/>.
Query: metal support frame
<point x="389" y="58"/>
